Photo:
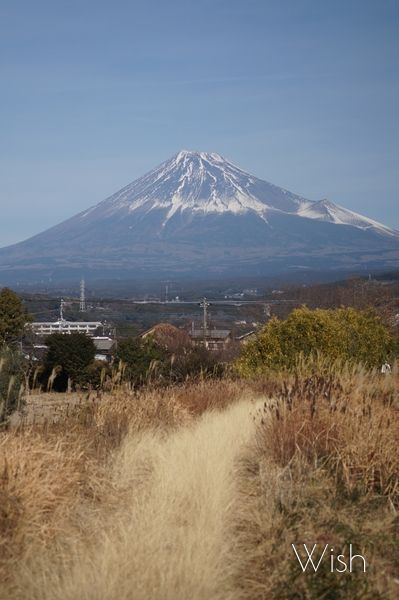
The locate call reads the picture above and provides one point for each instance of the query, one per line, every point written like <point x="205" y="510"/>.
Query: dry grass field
<point x="198" y="491"/>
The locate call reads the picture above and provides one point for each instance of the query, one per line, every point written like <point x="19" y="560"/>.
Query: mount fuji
<point x="198" y="214"/>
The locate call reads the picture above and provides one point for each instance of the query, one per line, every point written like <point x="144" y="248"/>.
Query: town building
<point x="104" y="347"/>
<point x="63" y="326"/>
<point x="212" y="339"/>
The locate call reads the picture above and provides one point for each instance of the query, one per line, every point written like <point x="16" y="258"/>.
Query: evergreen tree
<point x="70" y="355"/>
<point x="140" y="359"/>
<point x="13" y="317"/>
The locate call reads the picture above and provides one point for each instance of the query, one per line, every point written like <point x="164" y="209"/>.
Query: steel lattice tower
<point x="82" y="304"/>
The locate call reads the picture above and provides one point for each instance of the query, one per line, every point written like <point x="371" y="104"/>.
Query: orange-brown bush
<point x="44" y="480"/>
<point x="349" y="425"/>
<point x="323" y="468"/>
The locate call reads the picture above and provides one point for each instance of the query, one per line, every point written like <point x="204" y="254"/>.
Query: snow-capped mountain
<point x="198" y="213"/>
<point x="324" y="210"/>
<point x="199" y="182"/>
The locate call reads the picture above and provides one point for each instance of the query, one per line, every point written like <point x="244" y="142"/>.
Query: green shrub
<point x="140" y="360"/>
<point x="13" y="317"/>
<point x="144" y="360"/>
<point x="68" y="358"/>
<point x="343" y="334"/>
<point x="96" y="374"/>
<point x="196" y="362"/>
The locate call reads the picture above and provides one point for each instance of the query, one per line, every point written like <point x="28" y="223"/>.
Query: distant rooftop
<point x="211" y="334"/>
<point x="103" y="343"/>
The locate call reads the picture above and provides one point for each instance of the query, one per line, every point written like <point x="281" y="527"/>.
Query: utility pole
<point x="82" y="303"/>
<point x="62" y="310"/>
<point x="204" y="305"/>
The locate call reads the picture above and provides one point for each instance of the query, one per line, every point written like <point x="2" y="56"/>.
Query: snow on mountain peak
<point x="325" y="210"/>
<point x="197" y="214"/>
<point x="200" y="182"/>
<point x="205" y="183"/>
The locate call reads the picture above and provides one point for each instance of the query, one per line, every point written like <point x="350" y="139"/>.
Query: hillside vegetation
<point x="344" y="334"/>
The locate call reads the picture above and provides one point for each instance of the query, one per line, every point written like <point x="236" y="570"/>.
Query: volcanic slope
<point x="197" y="213"/>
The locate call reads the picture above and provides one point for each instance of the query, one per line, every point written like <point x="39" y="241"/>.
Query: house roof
<point x="103" y="343"/>
<point x="211" y="334"/>
<point x="246" y="335"/>
<point x="167" y="336"/>
<point x="161" y="329"/>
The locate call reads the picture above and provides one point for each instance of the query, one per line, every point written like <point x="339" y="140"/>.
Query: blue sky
<point x="302" y="93"/>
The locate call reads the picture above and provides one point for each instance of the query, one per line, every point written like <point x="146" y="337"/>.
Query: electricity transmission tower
<point x="62" y="309"/>
<point x="82" y="303"/>
<point x="204" y="305"/>
<point x="170" y="286"/>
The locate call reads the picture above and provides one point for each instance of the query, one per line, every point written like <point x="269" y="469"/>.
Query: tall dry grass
<point x="323" y="467"/>
<point x="160" y="527"/>
<point x="198" y="491"/>
<point x="133" y="474"/>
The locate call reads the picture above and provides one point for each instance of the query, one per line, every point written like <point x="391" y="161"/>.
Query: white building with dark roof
<point x="64" y="326"/>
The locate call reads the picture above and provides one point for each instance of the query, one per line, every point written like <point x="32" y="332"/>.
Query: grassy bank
<point x="198" y="491"/>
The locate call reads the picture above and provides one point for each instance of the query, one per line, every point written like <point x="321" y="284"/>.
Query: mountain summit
<point x="197" y="213"/>
<point x="202" y="183"/>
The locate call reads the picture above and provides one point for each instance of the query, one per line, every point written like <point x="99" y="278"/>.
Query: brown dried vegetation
<point x="198" y="490"/>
